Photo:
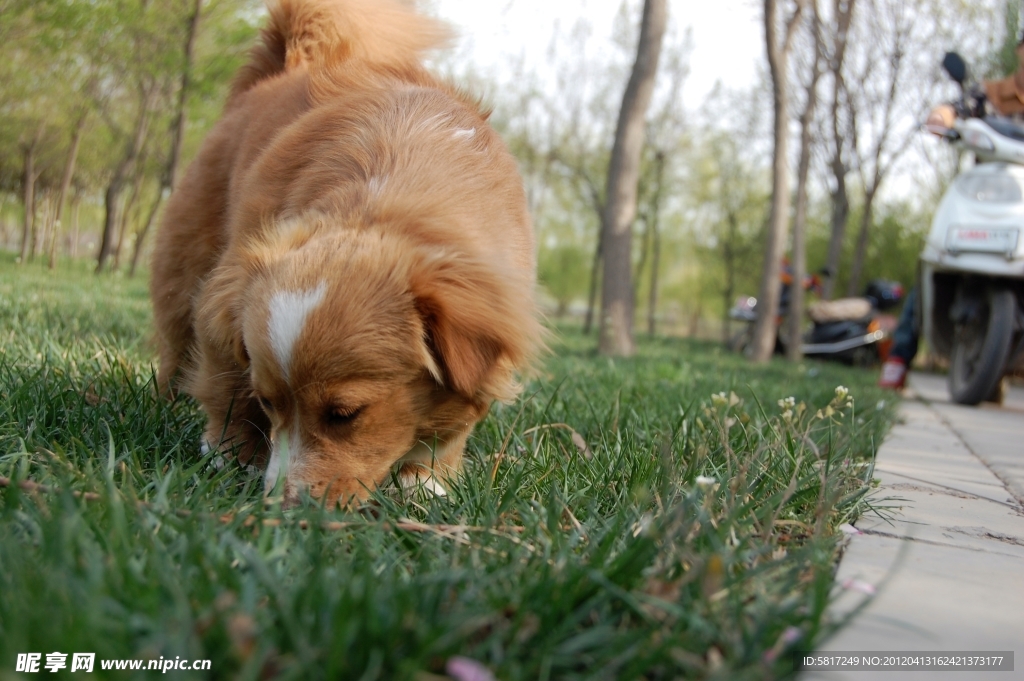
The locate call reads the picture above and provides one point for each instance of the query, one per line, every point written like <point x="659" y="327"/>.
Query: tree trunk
<point x="28" y="183"/>
<point x="54" y="233"/>
<point x="794" y="350"/>
<point x="39" y="225"/>
<point x="842" y="17"/>
<point x="765" y="330"/>
<point x="121" y="173"/>
<point x="652" y="299"/>
<point x="857" y="267"/>
<point x="180" y="117"/>
<point x="652" y="294"/>
<point x="169" y="178"/>
<point x="130" y="206"/>
<point x="837" y="232"/>
<point x="876" y="161"/>
<point x="76" y="199"/>
<point x="616" y="337"/>
<point x="694" y="330"/>
<point x="111" y="202"/>
<point x="3" y="223"/>
<point x="150" y="219"/>
<point x="645" y="250"/>
<point x="729" y="261"/>
<point x="595" y="275"/>
<point x="65" y="182"/>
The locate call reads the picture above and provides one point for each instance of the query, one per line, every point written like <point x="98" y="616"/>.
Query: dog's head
<point x="366" y="351"/>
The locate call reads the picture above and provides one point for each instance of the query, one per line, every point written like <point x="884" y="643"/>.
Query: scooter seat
<point x="841" y="310"/>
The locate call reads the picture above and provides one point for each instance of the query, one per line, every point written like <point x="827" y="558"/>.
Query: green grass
<point x="544" y="562"/>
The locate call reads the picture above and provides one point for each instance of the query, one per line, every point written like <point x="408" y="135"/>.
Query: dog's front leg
<point x="432" y="464"/>
<point x="236" y="425"/>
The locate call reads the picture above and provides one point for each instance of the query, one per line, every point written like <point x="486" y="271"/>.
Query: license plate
<point x="983" y="239"/>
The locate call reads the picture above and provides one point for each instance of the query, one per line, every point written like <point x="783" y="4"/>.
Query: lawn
<point x="663" y="517"/>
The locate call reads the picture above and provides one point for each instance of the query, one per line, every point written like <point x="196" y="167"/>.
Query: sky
<point x="727" y="34"/>
<point x="727" y="41"/>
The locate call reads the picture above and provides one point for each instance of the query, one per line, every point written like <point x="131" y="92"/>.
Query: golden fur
<point x="341" y="168"/>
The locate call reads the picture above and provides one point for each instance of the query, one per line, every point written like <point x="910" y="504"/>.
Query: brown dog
<point x="344" y="278"/>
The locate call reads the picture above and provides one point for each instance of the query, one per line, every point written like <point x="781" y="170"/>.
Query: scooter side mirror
<point x="955" y="66"/>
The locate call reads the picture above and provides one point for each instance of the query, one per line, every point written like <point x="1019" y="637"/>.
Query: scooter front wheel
<point x="981" y="348"/>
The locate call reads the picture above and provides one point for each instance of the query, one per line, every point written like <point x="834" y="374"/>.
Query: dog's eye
<point x="264" y="404"/>
<point x="339" y="416"/>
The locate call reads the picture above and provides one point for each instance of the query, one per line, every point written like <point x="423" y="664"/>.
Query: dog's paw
<point x="422" y="480"/>
<point x="219" y="461"/>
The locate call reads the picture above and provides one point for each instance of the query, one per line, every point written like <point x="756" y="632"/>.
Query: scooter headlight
<point x="996" y="188"/>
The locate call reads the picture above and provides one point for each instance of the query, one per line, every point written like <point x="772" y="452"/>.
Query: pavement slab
<point x="946" y="564"/>
<point x="994" y="436"/>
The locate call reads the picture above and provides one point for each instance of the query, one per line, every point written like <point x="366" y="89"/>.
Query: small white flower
<point x="705" y="481"/>
<point x="722" y="399"/>
<point x="787" y="403"/>
<point x="842" y="392"/>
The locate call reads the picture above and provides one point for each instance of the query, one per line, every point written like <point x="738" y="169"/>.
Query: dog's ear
<point x="218" y="318"/>
<point x="219" y="315"/>
<point x="479" y="322"/>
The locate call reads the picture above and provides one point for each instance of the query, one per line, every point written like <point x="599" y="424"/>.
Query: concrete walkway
<point x="948" y="567"/>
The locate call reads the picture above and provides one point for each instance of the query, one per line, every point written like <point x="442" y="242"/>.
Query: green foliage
<point x="896" y="246"/>
<point x="670" y="515"/>
<point x="898" y="235"/>
<point x="1004" y="60"/>
<point x="119" y="62"/>
<point x="730" y="198"/>
<point x="564" y="272"/>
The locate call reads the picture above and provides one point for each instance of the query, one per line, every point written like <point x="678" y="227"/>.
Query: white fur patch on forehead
<point x="464" y="133"/>
<point x="288" y="313"/>
<point x="375" y="185"/>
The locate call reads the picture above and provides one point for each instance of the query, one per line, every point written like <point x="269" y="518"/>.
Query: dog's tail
<point x="325" y="33"/>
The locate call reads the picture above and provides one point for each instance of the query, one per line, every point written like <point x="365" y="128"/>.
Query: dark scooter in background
<point x="850" y="330"/>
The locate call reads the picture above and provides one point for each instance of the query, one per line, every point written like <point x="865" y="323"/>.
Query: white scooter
<point x="972" y="266"/>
